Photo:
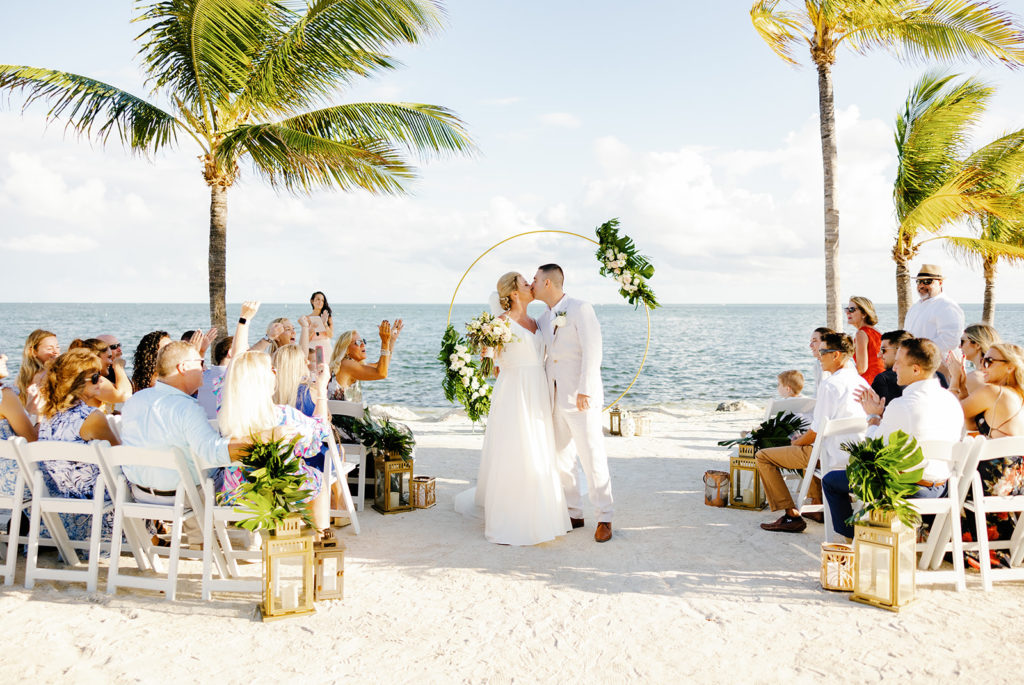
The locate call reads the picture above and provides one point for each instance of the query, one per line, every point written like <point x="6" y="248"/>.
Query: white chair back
<point x="982" y="504"/>
<point x="833" y="427"/>
<point x="945" y="534"/>
<point x="352" y="449"/>
<point x="796" y="405"/>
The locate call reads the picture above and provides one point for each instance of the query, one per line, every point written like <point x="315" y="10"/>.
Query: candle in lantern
<point x="330" y="578"/>
<point x="290" y="597"/>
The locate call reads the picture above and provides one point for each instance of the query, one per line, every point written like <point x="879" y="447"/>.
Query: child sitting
<point x="791" y="384"/>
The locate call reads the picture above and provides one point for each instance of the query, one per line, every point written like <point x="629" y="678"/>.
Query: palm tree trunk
<point x="826" y="119"/>
<point x="217" y="257"/>
<point x="988" y="309"/>
<point x="902" y="287"/>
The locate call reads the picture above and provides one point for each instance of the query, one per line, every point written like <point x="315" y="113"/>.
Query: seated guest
<point x="885" y="385"/>
<point x="108" y="393"/>
<point x="348" y="361"/>
<point x="116" y="354"/>
<point x="72" y="380"/>
<point x="281" y="332"/>
<point x="974" y="344"/>
<point x="835" y="401"/>
<point x="40" y="347"/>
<point x="213" y="378"/>
<point x="860" y="314"/>
<point x="925" y="411"/>
<point x="292" y="371"/>
<point x="13" y="421"/>
<point x="248" y="407"/>
<point x="815" y="345"/>
<point x="144" y="371"/>
<point x="790" y="384"/>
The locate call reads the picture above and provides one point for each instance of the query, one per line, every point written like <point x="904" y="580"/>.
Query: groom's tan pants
<point x="770" y="460"/>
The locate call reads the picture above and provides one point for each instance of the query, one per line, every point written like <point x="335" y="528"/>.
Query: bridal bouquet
<point x="487" y="334"/>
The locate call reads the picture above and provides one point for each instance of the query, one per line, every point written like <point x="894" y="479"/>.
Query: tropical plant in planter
<point x="883" y="476"/>
<point x="384" y="437"/>
<point x="774" y="432"/>
<point x="273" y="487"/>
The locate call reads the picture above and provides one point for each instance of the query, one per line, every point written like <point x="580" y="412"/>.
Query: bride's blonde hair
<point x="507" y="284"/>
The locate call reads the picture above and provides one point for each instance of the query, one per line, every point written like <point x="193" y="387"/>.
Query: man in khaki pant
<point x="835" y="400"/>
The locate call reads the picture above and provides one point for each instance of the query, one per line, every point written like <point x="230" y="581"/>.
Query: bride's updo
<point x="507" y="284"/>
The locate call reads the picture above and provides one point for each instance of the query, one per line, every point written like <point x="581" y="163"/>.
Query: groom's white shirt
<point x="573" y="354"/>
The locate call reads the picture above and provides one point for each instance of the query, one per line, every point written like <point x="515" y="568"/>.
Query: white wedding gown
<point x="518" y="491"/>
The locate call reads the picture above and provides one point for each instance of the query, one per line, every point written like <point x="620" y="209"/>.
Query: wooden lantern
<point x="287" y="570"/>
<point x="643" y="425"/>
<point x="745" y="491"/>
<point x="837" y="567"/>
<point x="885" y="552"/>
<point x="329" y="570"/>
<point x="424" y="492"/>
<point x="615" y="421"/>
<point x="392" y="482"/>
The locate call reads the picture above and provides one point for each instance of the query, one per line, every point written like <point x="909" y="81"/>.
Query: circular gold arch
<point x="647" y="310"/>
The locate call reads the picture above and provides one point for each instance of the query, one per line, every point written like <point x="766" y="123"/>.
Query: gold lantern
<point x="836" y="566"/>
<point x="392" y="482"/>
<point x="424" y="492"/>
<point x="745" y="490"/>
<point x="329" y="573"/>
<point x="615" y="421"/>
<point x="287" y="570"/>
<point x="885" y="552"/>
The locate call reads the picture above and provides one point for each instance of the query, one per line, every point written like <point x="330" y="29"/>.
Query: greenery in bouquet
<point x="463" y="382"/>
<point x="487" y="334"/>
<point x="273" y="488"/>
<point x="620" y="260"/>
<point x="883" y="476"/>
<point x="383" y="436"/>
<point x="777" y="431"/>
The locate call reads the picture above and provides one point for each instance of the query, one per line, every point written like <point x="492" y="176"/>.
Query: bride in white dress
<point x="518" y="492"/>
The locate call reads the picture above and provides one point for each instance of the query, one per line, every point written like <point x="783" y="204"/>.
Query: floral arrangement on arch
<point x="464" y="381"/>
<point x="620" y="260"/>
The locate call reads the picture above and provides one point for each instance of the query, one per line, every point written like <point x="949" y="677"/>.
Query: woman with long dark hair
<point x="144" y="371"/>
<point x="321" y="320"/>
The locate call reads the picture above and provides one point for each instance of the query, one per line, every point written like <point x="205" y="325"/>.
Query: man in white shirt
<point x="935" y="316"/>
<point x="835" y="400"/>
<point x="925" y="411"/>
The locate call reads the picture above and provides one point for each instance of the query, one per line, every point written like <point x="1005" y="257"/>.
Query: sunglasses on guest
<point x="851" y="310"/>
<point x="926" y="281"/>
<point x="360" y="341"/>
<point x="989" y="361"/>
<point x="115" y="346"/>
<point x="93" y="379"/>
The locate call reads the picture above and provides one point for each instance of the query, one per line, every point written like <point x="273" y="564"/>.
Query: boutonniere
<point x="559" y="319"/>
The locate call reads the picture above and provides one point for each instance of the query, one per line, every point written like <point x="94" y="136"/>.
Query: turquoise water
<point x="699" y="354"/>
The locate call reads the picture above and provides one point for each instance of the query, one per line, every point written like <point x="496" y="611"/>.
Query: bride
<point x="518" y="487"/>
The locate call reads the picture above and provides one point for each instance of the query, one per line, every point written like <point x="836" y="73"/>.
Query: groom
<point x="573" y="367"/>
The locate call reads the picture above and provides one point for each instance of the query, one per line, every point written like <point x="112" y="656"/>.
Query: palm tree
<point x="939" y="182"/>
<point x="942" y="29"/>
<point x="253" y="80"/>
<point x="1009" y="235"/>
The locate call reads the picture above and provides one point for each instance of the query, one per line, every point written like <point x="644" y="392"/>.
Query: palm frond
<point x="418" y="128"/>
<point x="1002" y="160"/>
<point x="976" y="250"/>
<point x="302" y="162"/>
<point x="781" y="30"/>
<point x="92" y="108"/>
<point x="958" y="198"/>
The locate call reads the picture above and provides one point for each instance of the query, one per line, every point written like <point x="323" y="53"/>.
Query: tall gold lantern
<point x="287" y="570"/>
<point x="884" y="555"/>
<point x="615" y="421"/>
<point x="745" y="491"/>
<point x="329" y="571"/>
<point x="392" y="483"/>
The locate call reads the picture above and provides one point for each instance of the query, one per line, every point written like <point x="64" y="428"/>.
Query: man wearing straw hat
<point x="935" y="316"/>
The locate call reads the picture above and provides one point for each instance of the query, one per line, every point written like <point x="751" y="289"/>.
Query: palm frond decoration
<point x="776" y="431"/>
<point x="883" y="475"/>
<point x="274" y="486"/>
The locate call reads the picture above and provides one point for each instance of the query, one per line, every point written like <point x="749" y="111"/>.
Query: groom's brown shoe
<point x="603" y="532"/>
<point x="576" y="523"/>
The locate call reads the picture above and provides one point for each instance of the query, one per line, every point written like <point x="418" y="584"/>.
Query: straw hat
<point x="929" y="271"/>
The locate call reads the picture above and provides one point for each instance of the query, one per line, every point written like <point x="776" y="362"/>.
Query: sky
<point x="672" y="116"/>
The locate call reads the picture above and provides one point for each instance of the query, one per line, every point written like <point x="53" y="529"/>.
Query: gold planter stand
<point x="287" y="570"/>
<point x="745" y="491"/>
<point x="885" y="556"/>
<point x="392" y="484"/>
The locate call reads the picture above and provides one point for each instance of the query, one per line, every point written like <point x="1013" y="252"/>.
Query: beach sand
<point x="682" y="591"/>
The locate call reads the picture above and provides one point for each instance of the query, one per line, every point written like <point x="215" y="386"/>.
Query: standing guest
<point x="815" y="345"/>
<point x="925" y="411"/>
<point x="835" y="400"/>
<point x="348" y="361"/>
<point x="974" y="344"/>
<point x="144" y="373"/>
<point x="72" y="381"/>
<point x="886" y="385"/>
<point x="108" y="393"/>
<point x="790" y="384"/>
<point x="935" y="316"/>
<point x="322" y="322"/>
<point x="860" y="313"/>
<point x="40" y="347"/>
<point x="209" y="394"/>
<point x="116" y="353"/>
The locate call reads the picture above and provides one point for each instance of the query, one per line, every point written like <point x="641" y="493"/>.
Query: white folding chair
<point x="30" y="454"/>
<point x="128" y="512"/>
<point x="796" y="405"/>
<point x="336" y="466"/>
<point x="356" y="449"/>
<point x="114" y="421"/>
<point x="216" y="541"/>
<point x="982" y="504"/>
<point x="15" y="501"/>
<point x="945" y="533"/>
<point x="851" y="426"/>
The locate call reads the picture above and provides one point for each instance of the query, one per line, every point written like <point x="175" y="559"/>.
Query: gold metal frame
<point x="647" y="310"/>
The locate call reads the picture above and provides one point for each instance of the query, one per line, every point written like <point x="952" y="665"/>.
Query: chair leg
<point x="115" y="538"/>
<point x="172" y="562"/>
<point x="361" y="481"/>
<point x="350" y="507"/>
<point x="14" y="532"/>
<point x="830" y="531"/>
<point x="958" y="550"/>
<point x="980" y="525"/>
<point x="95" y="534"/>
<point x="33" y="544"/>
<point x="208" y="544"/>
<point x="1017" y="542"/>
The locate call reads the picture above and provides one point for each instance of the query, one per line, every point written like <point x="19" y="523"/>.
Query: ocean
<point x="699" y="355"/>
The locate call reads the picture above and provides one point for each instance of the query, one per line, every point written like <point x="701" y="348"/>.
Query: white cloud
<point x="560" y="120"/>
<point x="50" y="244"/>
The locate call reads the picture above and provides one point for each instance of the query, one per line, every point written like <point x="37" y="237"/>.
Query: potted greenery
<point x="883" y="476"/>
<point x="273" y="488"/>
<point x="774" y="432"/>
<point x="391" y="447"/>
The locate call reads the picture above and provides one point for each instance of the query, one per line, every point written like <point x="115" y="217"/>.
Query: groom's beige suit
<point x="573" y="365"/>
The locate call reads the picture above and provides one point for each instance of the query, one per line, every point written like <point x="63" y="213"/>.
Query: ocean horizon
<point x="699" y="354"/>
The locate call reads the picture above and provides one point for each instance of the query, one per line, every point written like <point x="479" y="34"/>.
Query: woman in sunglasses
<point x="108" y="394"/>
<point x="974" y="344"/>
<point x="348" y="361"/>
<point x="860" y="313"/>
<point x="71" y="382"/>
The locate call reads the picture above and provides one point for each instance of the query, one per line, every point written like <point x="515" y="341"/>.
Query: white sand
<point x="682" y="591"/>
